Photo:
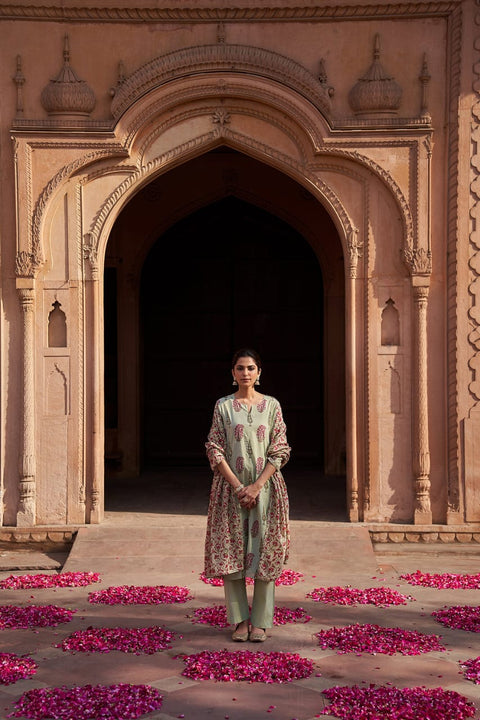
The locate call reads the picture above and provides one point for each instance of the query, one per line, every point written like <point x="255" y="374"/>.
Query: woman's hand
<point x="248" y="496"/>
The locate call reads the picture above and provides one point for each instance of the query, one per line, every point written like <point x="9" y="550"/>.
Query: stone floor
<point x="137" y="544"/>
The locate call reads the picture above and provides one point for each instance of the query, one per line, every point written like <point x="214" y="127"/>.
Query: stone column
<point x="27" y="490"/>
<point x="354" y="249"/>
<point x="97" y="449"/>
<point x="421" y="458"/>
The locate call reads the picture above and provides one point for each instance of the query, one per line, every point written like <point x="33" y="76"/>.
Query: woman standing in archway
<point x="247" y="527"/>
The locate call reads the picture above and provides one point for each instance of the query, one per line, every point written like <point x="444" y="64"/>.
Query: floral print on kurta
<point x="240" y="542"/>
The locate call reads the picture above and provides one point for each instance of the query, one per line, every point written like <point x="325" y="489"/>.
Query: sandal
<point x="257" y="636"/>
<point x="239" y="636"/>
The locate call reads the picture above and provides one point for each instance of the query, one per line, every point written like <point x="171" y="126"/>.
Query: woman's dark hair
<point x="247" y="352"/>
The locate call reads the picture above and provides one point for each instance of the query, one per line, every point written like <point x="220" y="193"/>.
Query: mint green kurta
<point x="240" y="542"/>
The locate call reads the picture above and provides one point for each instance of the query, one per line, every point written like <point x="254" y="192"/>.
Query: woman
<point x="247" y="526"/>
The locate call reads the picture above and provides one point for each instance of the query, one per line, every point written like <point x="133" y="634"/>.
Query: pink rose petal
<point x="141" y="595"/>
<point x="88" y="702"/>
<point x="226" y="666"/>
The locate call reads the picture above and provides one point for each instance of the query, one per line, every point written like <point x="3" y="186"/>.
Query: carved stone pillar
<point x="354" y="250"/>
<point x="95" y="486"/>
<point x="27" y="490"/>
<point x="421" y="458"/>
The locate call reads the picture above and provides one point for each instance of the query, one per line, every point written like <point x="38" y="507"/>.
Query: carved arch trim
<point x="28" y="262"/>
<point x="100" y="226"/>
<point x="220" y="58"/>
<point x="410" y="249"/>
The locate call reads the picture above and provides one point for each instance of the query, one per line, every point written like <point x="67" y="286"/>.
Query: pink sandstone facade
<point x="357" y="125"/>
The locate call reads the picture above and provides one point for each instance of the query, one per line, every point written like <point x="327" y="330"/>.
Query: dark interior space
<point x="228" y="276"/>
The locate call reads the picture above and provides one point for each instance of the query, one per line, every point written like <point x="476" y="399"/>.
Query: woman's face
<point x="245" y="372"/>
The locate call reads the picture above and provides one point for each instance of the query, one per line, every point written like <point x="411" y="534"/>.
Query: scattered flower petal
<point x="66" y="579"/>
<point x="472" y="670"/>
<point x="443" y="581"/>
<point x="381" y="596"/>
<point x="287" y="577"/>
<point x="88" y="702"/>
<point x="460" y="617"/>
<point x="146" y="640"/>
<point x="141" y="595"/>
<point x="391" y="703"/>
<point x="13" y="668"/>
<point x="375" y="639"/>
<point x="216" y="616"/>
<point x="225" y="666"/>
<point x="12" y="616"/>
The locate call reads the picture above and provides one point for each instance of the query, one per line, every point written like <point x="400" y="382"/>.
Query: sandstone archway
<point x="298" y="326"/>
<point x="168" y="120"/>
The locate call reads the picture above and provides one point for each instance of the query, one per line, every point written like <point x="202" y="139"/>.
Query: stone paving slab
<point x="326" y="553"/>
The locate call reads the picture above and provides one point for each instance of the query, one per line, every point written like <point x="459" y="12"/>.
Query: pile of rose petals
<point x="379" y="596"/>
<point x="443" y="581"/>
<point x="66" y="579"/>
<point x="12" y="616"/>
<point x="375" y="639"/>
<point x="216" y="581"/>
<point x="216" y="616"/>
<point x="391" y="703"/>
<point x="88" y="702"/>
<point x="459" y="617"/>
<point x="472" y="670"/>
<point x="13" y="668"/>
<point x="147" y="640"/>
<point x="287" y="577"/>
<point x="141" y="595"/>
<point x="225" y="666"/>
<point x="284" y="616"/>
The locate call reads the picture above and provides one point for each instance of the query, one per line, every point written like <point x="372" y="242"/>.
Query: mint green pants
<point x="263" y="602"/>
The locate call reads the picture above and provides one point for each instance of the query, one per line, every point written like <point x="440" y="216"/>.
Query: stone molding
<point x="220" y="58"/>
<point x="453" y="434"/>
<point x="427" y="534"/>
<point x="232" y="13"/>
<point x="28" y="262"/>
<point x="232" y="110"/>
<point x="474" y="262"/>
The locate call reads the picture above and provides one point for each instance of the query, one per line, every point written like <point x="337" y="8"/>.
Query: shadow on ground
<point x="185" y="491"/>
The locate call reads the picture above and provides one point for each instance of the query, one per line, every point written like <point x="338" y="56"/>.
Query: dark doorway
<point x="229" y="275"/>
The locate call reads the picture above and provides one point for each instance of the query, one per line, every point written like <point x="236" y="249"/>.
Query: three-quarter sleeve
<point x="216" y="441"/>
<point x="279" y="449"/>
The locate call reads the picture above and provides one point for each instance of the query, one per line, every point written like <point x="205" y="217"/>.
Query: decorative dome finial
<point x="68" y="96"/>
<point x="376" y="93"/>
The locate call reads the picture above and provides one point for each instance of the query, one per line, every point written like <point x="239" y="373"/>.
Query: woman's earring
<point x="257" y="381"/>
<point x="234" y="382"/>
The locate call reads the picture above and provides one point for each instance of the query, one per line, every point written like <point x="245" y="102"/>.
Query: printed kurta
<point x="240" y="542"/>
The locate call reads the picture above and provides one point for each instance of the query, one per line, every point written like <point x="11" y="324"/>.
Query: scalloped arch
<point x="102" y="222"/>
<point x="220" y="58"/>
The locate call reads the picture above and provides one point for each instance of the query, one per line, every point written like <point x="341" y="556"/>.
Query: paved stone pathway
<point x="168" y="550"/>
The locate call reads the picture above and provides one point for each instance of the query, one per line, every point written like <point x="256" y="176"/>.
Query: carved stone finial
<point x="121" y="75"/>
<point x="377" y="92"/>
<point x="66" y="95"/>
<point x="322" y="76"/>
<point x="221" y="37"/>
<point x="19" y="80"/>
<point x="424" y="78"/>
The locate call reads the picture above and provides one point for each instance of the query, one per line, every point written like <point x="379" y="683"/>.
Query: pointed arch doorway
<point x="219" y="253"/>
